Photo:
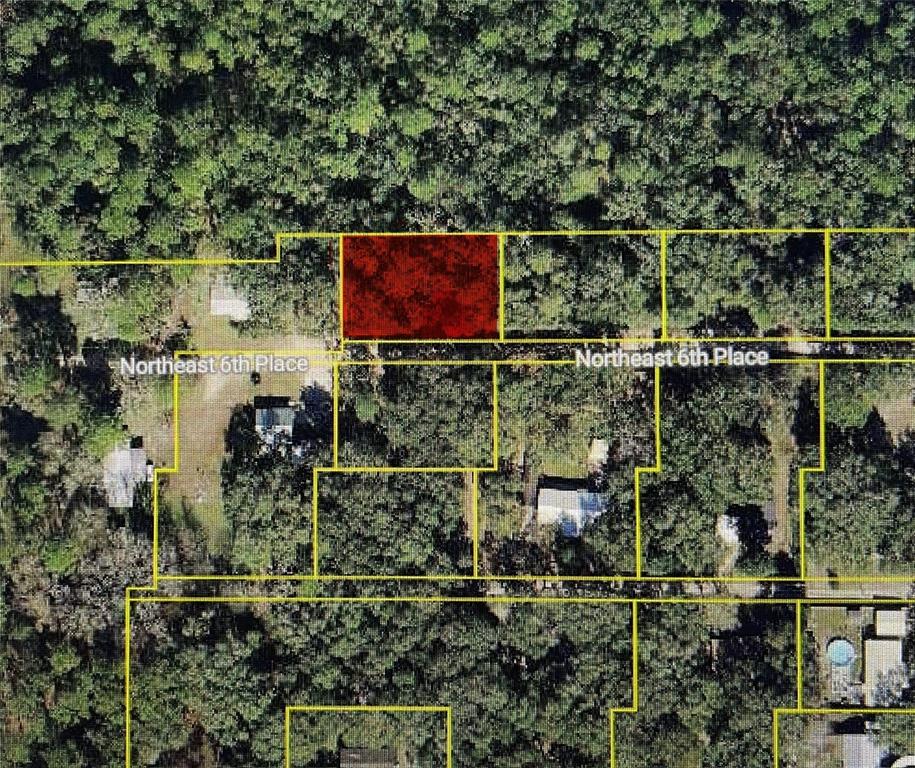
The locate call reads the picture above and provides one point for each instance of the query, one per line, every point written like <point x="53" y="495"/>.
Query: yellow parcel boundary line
<point x="654" y="469"/>
<point x="340" y="303"/>
<point x="291" y="709"/>
<point x="826" y="231"/>
<point x="622" y="578"/>
<point x="501" y="287"/>
<point x="827" y="284"/>
<point x="800" y="627"/>
<point x="662" y="233"/>
<point x="368" y="708"/>
<point x="662" y="268"/>
<point x="420" y="470"/>
<point x="475" y="501"/>
<point x="804" y="471"/>
<point x="634" y="706"/>
<point x="799" y="653"/>
<point x="632" y="602"/>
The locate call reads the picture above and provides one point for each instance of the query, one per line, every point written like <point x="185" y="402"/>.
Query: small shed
<point x="727" y="530"/>
<point x="891" y="623"/>
<point x="598" y="453"/>
<point x="227" y="301"/>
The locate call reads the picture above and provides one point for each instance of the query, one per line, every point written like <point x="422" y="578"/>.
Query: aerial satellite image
<point x="457" y="384"/>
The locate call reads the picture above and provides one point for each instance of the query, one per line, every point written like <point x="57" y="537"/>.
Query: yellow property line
<point x="335" y="362"/>
<point x="135" y="262"/>
<point x="799" y="653"/>
<point x="340" y="289"/>
<point x="495" y="417"/>
<point x="663" y="273"/>
<point x="645" y="232"/>
<point x="522" y="577"/>
<point x="314" y="522"/>
<point x="365" y="708"/>
<point x="827" y="283"/>
<point x="570" y="599"/>
<point x="336" y="469"/>
<point x="662" y="234"/>
<point x="336" y="417"/>
<point x="634" y="706"/>
<point x="804" y="471"/>
<point x="633" y="602"/>
<point x="127" y="634"/>
<point x="501" y="286"/>
<point x="616" y="340"/>
<point x="547" y="577"/>
<point x="475" y="502"/>
<point x="654" y="469"/>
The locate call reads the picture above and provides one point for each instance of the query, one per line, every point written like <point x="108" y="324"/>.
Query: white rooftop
<point x="123" y="469"/>
<point x="226" y="301"/>
<point x="572" y="509"/>
<point x="888" y="623"/>
<point x="859" y="750"/>
<point x="884" y="671"/>
<point x="598" y="452"/>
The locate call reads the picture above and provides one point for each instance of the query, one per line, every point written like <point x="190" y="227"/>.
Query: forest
<point x="858" y="522"/>
<point x="416" y="415"/>
<point x="133" y="130"/>
<point x="549" y="419"/>
<point x="710" y="678"/>
<point x="732" y="442"/>
<point x="529" y="684"/>
<point x="582" y="287"/>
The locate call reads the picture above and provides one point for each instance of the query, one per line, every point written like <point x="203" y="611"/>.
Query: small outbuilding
<point x="124" y="469"/>
<point x="891" y="623"/>
<point x="226" y="301"/>
<point x="598" y="453"/>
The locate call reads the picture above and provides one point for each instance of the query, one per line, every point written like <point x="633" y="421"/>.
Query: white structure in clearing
<point x="226" y="301"/>
<point x="885" y="672"/>
<point x="123" y="470"/>
<point x="570" y="509"/>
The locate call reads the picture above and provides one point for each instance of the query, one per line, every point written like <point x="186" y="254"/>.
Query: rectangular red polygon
<point x="420" y="286"/>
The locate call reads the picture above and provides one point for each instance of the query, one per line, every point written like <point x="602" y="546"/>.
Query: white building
<point x="859" y="750"/>
<point x="274" y="419"/>
<point x="891" y="623"/>
<point x="885" y="676"/>
<point x="123" y="470"/>
<point x="570" y="509"/>
<point x="885" y="673"/>
<point x="226" y="301"/>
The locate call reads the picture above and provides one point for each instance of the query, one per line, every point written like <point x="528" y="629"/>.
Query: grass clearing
<point x="206" y="404"/>
<point x="898" y="413"/>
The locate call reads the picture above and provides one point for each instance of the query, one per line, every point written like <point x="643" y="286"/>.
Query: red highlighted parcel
<point x="420" y="287"/>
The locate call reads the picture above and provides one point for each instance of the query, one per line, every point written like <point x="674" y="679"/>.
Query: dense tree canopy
<point x="134" y="129"/>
